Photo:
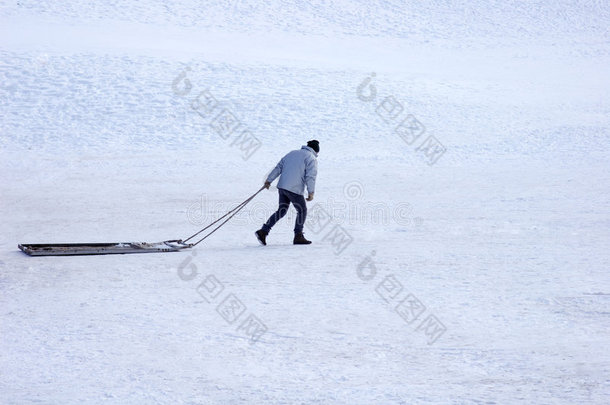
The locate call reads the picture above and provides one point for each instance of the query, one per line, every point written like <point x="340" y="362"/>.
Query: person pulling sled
<point x="296" y="170"/>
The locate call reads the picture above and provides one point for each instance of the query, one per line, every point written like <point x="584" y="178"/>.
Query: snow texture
<point x="460" y="224"/>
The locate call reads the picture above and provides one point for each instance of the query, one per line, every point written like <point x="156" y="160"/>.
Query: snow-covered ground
<point x="460" y="224"/>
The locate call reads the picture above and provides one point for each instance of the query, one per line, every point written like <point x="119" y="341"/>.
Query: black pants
<point x="287" y="197"/>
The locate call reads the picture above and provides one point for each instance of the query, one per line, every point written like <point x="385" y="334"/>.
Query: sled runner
<point x="78" y="249"/>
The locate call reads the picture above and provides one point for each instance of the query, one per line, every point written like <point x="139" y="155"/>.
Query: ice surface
<point x="503" y="238"/>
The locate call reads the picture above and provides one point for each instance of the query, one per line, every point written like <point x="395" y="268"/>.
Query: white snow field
<point x="460" y="225"/>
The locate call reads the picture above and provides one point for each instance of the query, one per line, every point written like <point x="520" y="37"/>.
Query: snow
<point x="502" y="238"/>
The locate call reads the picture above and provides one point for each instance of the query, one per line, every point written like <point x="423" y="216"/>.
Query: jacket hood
<point x="309" y="149"/>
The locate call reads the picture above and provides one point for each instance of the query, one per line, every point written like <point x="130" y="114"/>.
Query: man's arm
<point x="277" y="170"/>
<point x="311" y="171"/>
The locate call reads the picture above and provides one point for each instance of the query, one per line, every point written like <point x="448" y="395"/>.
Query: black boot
<point x="261" y="235"/>
<point x="299" y="239"/>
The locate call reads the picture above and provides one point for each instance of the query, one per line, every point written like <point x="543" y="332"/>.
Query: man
<point x="297" y="169"/>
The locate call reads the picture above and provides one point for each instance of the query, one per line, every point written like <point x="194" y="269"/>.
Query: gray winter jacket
<point x="298" y="169"/>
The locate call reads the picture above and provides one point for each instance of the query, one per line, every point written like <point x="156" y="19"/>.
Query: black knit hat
<point x="315" y="145"/>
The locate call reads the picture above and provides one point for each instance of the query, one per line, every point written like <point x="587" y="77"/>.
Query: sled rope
<point x="233" y="212"/>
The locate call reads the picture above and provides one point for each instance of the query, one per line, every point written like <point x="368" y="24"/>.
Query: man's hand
<point x="267" y="185"/>
<point x="309" y="197"/>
